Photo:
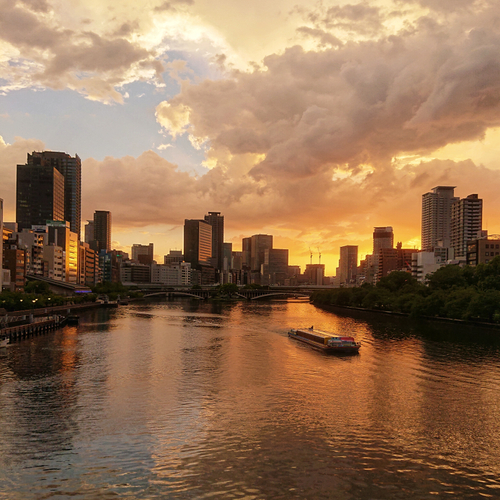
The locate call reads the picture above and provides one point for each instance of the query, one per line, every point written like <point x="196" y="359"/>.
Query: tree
<point x="34" y="286"/>
<point x="446" y="278"/>
<point x="396" y="280"/>
<point x="228" y="289"/>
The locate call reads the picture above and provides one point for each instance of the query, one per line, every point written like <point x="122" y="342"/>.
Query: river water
<point x="195" y="400"/>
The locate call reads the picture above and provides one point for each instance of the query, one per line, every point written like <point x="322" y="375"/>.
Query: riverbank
<point x="335" y="308"/>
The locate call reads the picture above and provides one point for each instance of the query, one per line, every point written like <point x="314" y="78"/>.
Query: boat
<point x="325" y="341"/>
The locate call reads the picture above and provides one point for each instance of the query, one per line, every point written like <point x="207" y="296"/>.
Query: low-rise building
<point x="482" y="250"/>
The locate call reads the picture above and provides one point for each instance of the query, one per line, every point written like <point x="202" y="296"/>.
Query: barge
<point x="325" y="341"/>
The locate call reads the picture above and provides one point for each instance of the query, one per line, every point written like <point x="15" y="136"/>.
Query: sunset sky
<point x="311" y="121"/>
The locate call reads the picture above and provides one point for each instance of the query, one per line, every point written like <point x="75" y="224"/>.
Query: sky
<point x="310" y="121"/>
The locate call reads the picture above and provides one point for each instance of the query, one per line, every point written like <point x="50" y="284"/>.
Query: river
<point x="195" y="400"/>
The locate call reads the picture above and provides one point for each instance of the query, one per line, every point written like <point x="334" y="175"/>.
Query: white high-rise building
<point x="436" y="217"/>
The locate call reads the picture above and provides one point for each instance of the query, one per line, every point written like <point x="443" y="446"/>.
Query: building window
<point x="487" y="246"/>
<point x="487" y="254"/>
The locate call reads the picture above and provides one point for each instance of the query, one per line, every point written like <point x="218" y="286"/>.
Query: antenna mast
<point x="311" y="255"/>
<point x="319" y="252"/>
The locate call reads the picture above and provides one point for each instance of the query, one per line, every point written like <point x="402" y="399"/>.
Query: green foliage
<point x="228" y="289"/>
<point x="468" y="293"/>
<point x="446" y="278"/>
<point x="35" y="286"/>
<point x="107" y="287"/>
<point x="252" y="286"/>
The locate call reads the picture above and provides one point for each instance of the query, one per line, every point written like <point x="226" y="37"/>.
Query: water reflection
<point x="195" y="399"/>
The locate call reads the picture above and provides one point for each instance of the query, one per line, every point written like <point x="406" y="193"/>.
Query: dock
<point x="38" y="327"/>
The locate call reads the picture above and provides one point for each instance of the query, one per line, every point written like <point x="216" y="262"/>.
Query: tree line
<point x="467" y="293"/>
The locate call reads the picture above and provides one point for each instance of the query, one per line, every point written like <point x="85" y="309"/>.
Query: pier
<point x="38" y="327"/>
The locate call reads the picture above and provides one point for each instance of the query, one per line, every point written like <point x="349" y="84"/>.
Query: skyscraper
<point x="71" y="168"/>
<point x="102" y="230"/>
<point x="197" y="243"/>
<point x="348" y="263"/>
<point x="383" y="237"/>
<point x="89" y="231"/>
<point x="259" y="244"/>
<point x="39" y="195"/>
<point x="466" y="221"/>
<point x="436" y="217"/>
<point x="216" y="220"/>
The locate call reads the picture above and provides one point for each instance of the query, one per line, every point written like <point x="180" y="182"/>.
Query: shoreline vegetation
<point x="38" y="298"/>
<point x="469" y="294"/>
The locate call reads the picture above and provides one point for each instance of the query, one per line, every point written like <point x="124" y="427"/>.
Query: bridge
<point x="244" y="293"/>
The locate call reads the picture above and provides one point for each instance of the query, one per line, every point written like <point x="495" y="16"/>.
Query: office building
<point x="71" y="169"/>
<point x="348" y="264"/>
<point x="144" y="254"/>
<point x="173" y="257"/>
<point x="436" y="217"/>
<point x="216" y="220"/>
<point x="275" y="267"/>
<point x="259" y="243"/>
<point x="54" y="258"/>
<point x="102" y="231"/>
<point x="466" y="222"/>
<point x="14" y="259"/>
<point x="246" y="252"/>
<point x="39" y="195"/>
<point x="424" y="264"/>
<point x="482" y="250"/>
<point x="383" y="237"/>
<point x="227" y="251"/>
<point x="314" y="274"/>
<point x="197" y="243"/>
<point x="89" y="232"/>
<point x="60" y="234"/>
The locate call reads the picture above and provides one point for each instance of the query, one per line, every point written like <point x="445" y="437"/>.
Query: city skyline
<point x="313" y="123"/>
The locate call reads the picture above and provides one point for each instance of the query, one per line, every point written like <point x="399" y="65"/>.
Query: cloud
<point x="310" y="112"/>
<point x="93" y="51"/>
<point x="150" y="191"/>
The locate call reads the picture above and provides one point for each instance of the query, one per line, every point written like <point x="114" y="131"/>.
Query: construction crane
<point x="311" y="255"/>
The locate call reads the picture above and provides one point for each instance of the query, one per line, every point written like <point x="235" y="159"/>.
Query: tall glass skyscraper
<point x="39" y="195"/>
<point x="216" y="220"/>
<point x="102" y="231"/>
<point x="71" y="170"/>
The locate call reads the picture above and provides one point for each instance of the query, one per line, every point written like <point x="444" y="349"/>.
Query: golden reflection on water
<point x="198" y="400"/>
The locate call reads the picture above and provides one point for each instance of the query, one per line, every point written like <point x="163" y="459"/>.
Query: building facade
<point x="216" y="220"/>
<point x="102" y="231"/>
<point x="466" y="222"/>
<point x="482" y="250"/>
<point x="348" y="264"/>
<point x="39" y="195"/>
<point x="259" y="243"/>
<point x="436" y="217"/>
<point x="197" y="243"/>
<point x="143" y="254"/>
<point x="275" y="267"/>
